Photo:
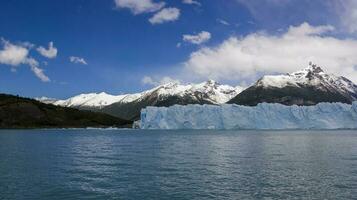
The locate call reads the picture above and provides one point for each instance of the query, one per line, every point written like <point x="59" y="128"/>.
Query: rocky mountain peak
<point x="211" y="82"/>
<point x="309" y="72"/>
<point x="314" y="68"/>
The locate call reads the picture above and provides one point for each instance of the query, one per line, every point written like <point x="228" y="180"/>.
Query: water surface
<point x="135" y="164"/>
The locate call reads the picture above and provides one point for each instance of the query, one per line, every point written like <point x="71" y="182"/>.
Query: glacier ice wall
<point x="262" y="116"/>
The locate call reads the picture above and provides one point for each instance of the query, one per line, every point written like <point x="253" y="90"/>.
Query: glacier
<point x="263" y="116"/>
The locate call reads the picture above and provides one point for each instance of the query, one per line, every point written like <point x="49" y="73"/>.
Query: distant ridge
<point x="19" y="112"/>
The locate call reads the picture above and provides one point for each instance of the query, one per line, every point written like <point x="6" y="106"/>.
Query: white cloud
<point x="78" y="60"/>
<point x="51" y="52"/>
<point x="147" y="80"/>
<point x="224" y="22"/>
<point x="306" y="29"/>
<point x="37" y="70"/>
<point x="165" y="15"/>
<point x="191" y="2"/>
<point x="200" y="38"/>
<point x="258" y="53"/>
<point x="15" y="55"/>
<point x="340" y="13"/>
<point x="139" y="6"/>
<point x="348" y="14"/>
<point x="28" y="45"/>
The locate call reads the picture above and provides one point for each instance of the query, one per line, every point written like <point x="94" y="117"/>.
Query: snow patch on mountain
<point x="262" y="116"/>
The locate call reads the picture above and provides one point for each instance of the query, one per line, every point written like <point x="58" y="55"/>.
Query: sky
<point x="63" y="48"/>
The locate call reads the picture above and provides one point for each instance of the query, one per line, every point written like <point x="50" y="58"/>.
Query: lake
<point x="137" y="164"/>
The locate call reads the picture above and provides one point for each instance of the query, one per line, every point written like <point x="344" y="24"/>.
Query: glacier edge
<point x="263" y="116"/>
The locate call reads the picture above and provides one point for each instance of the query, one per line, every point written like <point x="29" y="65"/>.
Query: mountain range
<point x="129" y="106"/>
<point x="305" y="87"/>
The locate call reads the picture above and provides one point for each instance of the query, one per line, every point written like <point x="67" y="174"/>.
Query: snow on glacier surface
<point x="262" y="116"/>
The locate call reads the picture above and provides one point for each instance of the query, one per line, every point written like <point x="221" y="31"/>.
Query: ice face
<point x="262" y="116"/>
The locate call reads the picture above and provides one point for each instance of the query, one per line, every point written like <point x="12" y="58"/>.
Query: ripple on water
<point x="178" y="165"/>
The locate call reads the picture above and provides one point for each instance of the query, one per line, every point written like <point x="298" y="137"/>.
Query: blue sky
<point x="124" y="51"/>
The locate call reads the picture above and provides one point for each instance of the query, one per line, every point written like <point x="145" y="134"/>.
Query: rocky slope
<point x="18" y="112"/>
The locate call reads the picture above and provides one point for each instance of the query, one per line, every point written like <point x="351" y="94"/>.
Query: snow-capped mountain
<point x="305" y="87"/>
<point x="128" y="106"/>
<point x="91" y="100"/>
<point x="170" y="94"/>
<point x="209" y="91"/>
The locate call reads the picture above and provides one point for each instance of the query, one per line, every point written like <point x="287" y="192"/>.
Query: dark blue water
<point x="119" y="164"/>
